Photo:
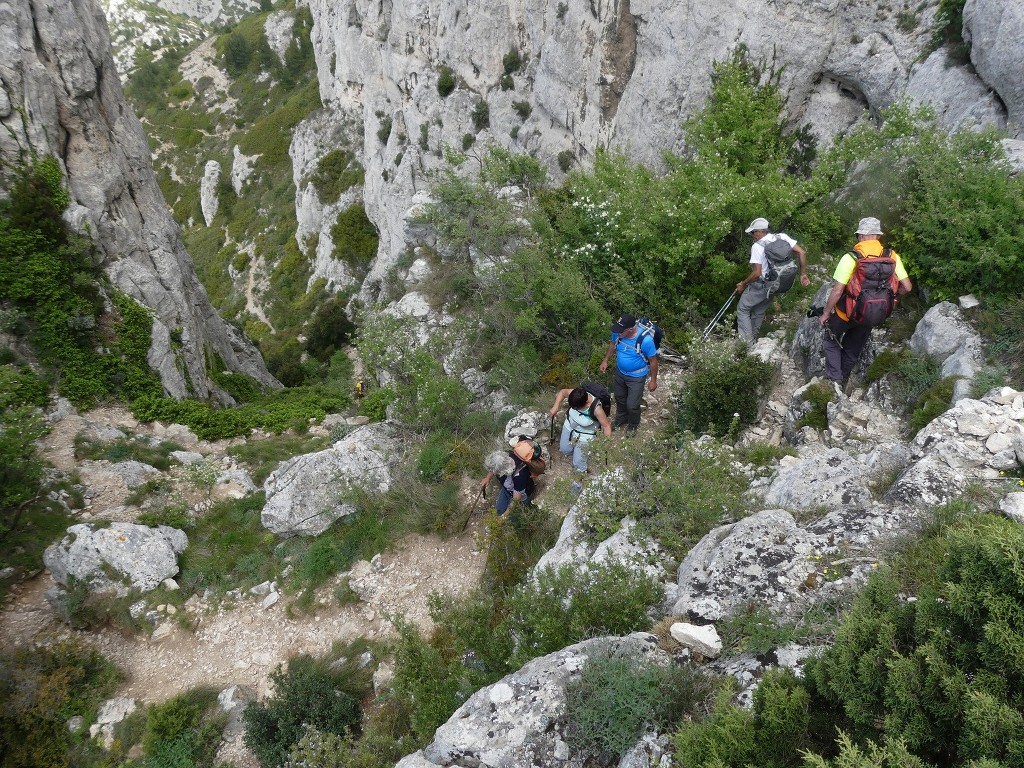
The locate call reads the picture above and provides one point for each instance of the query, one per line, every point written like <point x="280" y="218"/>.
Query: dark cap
<point x="624" y="323"/>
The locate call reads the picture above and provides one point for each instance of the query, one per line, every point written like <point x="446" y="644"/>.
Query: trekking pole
<point x="718" y="316"/>
<point x="472" y="507"/>
<point x="551" y="441"/>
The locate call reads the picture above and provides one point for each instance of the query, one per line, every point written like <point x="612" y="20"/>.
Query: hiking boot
<point x="838" y="389"/>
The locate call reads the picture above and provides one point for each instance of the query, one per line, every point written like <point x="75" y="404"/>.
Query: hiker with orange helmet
<point x="514" y="470"/>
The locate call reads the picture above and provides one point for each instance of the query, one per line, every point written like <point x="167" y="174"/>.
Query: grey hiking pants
<point x="629" y="393"/>
<point x="750" y="310"/>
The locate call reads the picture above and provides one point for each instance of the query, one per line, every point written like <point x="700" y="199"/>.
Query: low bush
<point x="817" y="396"/>
<point x="42" y="687"/>
<point x="309" y="693"/>
<point x="156" y="453"/>
<point x="445" y="81"/>
<point x="725" y="389"/>
<point x="337" y="172"/>
<point x="618" y="699"/>
<point x="675" y="490"/>
<point x="185" y="730"/>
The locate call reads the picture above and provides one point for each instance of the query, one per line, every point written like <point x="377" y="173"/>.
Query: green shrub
<point x="445" y="81"/>
<point x="523" y="109"/>
<point x="481" y="115"/>
<point x="617" y="699"/>
<point x="376" y="402"/>
<point x="512" y="61"/>
<point x="725" y="380"/>
<point x="942" y="674"/>
<point x="933" y="402"/>
<point x="355" y="238"/>
<point x="468" y="140"/>
<point x="184" y="730"/>
<point x="42" y="687"/>
<point x="384" y="129"/>
<point x="818" y="396"/>
<point x="308" y="692"/>
<point x="675" y="491"/>
<point x="566" y="160"/>
<point x="507" y="83"/>
<point x="563" y="606"/>
<point x="337" y="172"/>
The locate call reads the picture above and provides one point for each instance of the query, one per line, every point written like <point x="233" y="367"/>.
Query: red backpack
<point x="871" y="295"/>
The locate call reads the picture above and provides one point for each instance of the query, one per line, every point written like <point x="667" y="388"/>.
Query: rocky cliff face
<point x="61" y="96"/>
<point x="625" y="73"/>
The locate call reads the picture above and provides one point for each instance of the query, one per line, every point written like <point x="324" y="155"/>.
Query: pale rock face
<point x="520" y="720"/>
<point x="305" y="493"/>
<point x="601" y="74"/>
<point x="994" y="29"/>
<point x="144" y="556"/>
<point x="208" y="199"/>
<point x="55" y="63"/>
<point x="945" y="334"/>
<point x="959" y="97"/>
<point x="242" y="167"/>
<point x="278" y="29"/>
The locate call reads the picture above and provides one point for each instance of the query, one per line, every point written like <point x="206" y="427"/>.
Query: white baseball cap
<point x="757" y="224"/>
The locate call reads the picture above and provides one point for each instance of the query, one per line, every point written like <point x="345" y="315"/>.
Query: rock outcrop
<point x="520" y="720"/>
<point x="140" y="556"/>
<point x="61" y="96"/>
<point x="306" y="494"/>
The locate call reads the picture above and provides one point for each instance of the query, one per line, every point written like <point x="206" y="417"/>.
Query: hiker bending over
<point x="869" y="281"/>
<point x="585" y="416"/>
<point x="636" y="356"/>
<point x="767" y="270"/>
<point x="514" y="473"/>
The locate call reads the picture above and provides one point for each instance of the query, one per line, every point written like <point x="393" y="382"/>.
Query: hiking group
<point x="868" y="283"/>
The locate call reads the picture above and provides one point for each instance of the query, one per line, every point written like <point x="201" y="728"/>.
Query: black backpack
<point x="601" y="395"/>
<point x="782" y="267"/>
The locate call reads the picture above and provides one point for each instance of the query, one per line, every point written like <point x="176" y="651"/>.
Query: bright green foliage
<point x="309" y="692"/>
<point x="893" y="755"/>
<point x="668" y="244"/>
<point x="355" y="238"/>
<point x="742" y="121"/>
<point x="276" y="412"/>
<point x="949" y="24"/>
<point x="337" y="172"/>
<point x="237" y="53"/>
<point x="944" y="674"/>
<point x="617" y="699"/>
<point x="770" y="736"/>
<point x="915" y="177"/>
<point x="40" y="689"/>
<point x="185" y="730"/>
<point x="933" y="402"/>
<point x="916" y="383"/>
<point x="726" y="381"/>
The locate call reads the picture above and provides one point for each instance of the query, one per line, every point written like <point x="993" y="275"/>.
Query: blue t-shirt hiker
<point x="636" y="361"/>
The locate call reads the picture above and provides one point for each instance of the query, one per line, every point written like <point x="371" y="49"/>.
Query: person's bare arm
<point x="755" y="274"/>
<point x="833" y="299"/>
<point x="652" y="383"/>
<point x="562" y="394"/>
<point x="802" y="254"/>
<point x="602" y="419"/>
<point x="607" y="356"/>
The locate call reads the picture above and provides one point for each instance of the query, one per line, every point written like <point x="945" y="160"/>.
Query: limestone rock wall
<point x="621" y="74"/>
<point x="61" y="96"/>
